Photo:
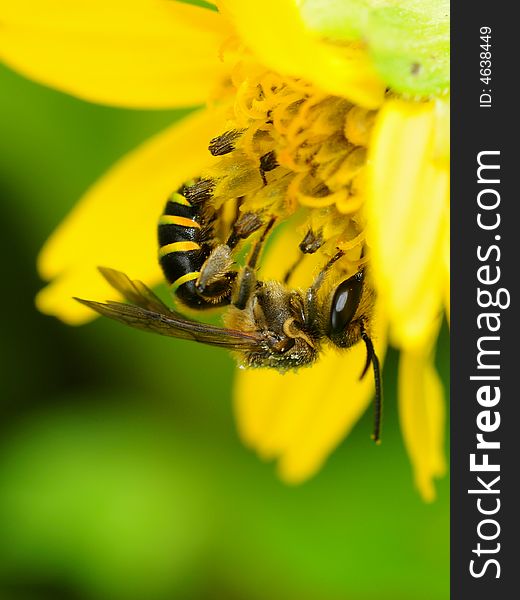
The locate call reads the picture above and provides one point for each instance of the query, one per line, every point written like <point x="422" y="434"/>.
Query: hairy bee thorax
<point x="278" y="314"/>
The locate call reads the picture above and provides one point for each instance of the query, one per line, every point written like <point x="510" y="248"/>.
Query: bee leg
<point x="214" y="280"/>
<point x="225" y="143"/>
<point x="310" y="244"/>
<point x="216" y="276"/>
<point x="378" y="400"/>
<point x="246" y="279"/>
<point x="312" y="292"/>
<point x="268" y="163"/>
<point x="292" y="268"/>
<point x="245" y="224"/>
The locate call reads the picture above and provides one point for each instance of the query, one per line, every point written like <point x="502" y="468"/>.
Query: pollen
<point x="290" y="148"/>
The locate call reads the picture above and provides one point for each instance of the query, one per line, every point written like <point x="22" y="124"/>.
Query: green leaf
<point x="407" y="39"/>
<point x="337" y="20"/>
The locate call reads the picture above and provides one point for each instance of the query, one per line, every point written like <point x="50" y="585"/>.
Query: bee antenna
<point x="370" y="354"/>
<point x="378" y="400"/>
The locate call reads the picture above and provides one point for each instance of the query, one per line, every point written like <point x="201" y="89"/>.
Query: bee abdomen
<point x="185" y="242"/>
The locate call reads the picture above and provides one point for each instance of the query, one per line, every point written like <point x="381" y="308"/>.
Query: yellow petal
<point x="133" y="53"/>
<point x="442" y="131"/>
<point x="275" y="32"/>
<point x="422" y="416"/>
<point x="446" y="263"/>
<point x="299" y="418"/>
<point x="115" y="223"/>
<point x="407" y="202"/>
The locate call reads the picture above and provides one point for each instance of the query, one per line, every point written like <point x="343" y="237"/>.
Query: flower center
<point x="291" y="147"/>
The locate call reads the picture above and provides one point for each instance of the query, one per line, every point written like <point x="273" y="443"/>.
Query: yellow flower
<point x="362" y="165"/>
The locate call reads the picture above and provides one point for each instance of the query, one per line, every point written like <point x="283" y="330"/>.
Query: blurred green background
<point x="121" y="473"/>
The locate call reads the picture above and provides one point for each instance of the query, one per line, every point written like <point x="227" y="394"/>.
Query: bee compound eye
<point x="345" y="303"/>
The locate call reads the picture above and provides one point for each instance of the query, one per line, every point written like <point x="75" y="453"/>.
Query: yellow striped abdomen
<point x="186" y="241"/>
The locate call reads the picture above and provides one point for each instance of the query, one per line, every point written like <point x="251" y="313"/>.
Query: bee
<point x="266" y="323"/>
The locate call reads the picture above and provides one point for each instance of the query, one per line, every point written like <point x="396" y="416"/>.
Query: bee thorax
<point x="273" y="313"/>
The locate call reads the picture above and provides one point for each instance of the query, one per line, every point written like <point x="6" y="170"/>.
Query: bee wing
<point x="149" y="313"/>
<point x="171" y="325"/>
<point x="136" y="292"/>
